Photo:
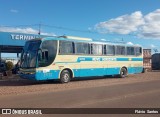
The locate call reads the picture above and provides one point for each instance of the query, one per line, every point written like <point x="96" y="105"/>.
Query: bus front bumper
<point x="28" y="76"/>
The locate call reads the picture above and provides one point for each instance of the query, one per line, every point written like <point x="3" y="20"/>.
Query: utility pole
<point x="122" y="39"/>
<point x="0" y="55"/>
<point x="39" y="33"/>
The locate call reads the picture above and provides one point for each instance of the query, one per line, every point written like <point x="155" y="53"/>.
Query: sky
<point x="133" y="21"/>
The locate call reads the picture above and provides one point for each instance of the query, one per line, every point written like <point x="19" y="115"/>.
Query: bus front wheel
<point x="123" y="73"/>
<point x="65" y="76"/>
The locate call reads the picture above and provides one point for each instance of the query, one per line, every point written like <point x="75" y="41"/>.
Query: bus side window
<point x="89" y="48"/>
<point x="66" y="47"/>
<point x="138" y="51"/>
<point x="130" y="51"/>
<point x="104" y="50"/>
<point x="120" y="50"/>
<point x="81" y="48"/>
<point x="110" y="49"/>
<point x="96" y="49"/>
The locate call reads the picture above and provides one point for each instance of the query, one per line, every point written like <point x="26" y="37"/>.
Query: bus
<point x="68" y="57"/>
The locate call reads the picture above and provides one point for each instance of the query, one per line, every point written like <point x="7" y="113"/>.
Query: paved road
<point x="137" y="94"/>
<point x="135" y="91"/>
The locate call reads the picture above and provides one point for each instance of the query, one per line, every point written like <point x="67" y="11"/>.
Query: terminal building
<point x="14" y="42"/>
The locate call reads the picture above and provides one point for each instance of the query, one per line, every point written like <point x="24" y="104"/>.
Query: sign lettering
<point x="23" y="37"/>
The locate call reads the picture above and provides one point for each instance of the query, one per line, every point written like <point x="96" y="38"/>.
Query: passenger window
<point x="138" y="51"/>
<point x="130" y="51"/>
<point x="81" y="48"/>
<point x="66" y="47"/>
<point x="110" y="50"/>
<point x="96" y="49"/>
<point x="120" y="50"/>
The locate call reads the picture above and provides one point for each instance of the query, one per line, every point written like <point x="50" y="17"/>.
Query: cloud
<point x="138" y="44"/>
<point x="103" y="39"/>
<point x="24" y="30"/>
<point x="19" y="30"/>
<point x="151" y="29"/>
<point x="14" y="11"/>
<point x="153" y="46"/>
<point x="48" y="34"/>
<point x="130" y="43"/>
<point x="144" y="26"/>
<point x="122" y="25"/>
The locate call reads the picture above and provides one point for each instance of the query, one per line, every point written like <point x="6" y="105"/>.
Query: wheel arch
<point x="70" y="71"/>
<point x="123" y="67"/>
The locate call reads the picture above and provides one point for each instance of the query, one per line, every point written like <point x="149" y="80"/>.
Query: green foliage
<point x="9" y="65"/>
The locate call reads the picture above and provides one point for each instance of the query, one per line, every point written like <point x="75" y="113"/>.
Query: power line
<point x="69" y="29"/>
<point x="31" y="25"/>
<point x="50" y="26"/>
<point x="39" y="27"/>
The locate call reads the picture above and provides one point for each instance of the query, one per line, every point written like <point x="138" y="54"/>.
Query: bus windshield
<point x="38" y="54"/>
<point x="29" y="54"/>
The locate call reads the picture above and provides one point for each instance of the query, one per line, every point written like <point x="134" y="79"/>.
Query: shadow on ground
<point x="25" y="82"/>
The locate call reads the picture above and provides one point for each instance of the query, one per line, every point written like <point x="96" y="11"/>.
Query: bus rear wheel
<point x="65" y="76"/>
<point x="123" y="73"/>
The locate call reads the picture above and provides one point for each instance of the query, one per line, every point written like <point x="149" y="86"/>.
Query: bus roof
<point x="80" y="39"/>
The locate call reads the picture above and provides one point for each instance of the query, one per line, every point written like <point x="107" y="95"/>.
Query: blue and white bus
<point x="68" y="57"/>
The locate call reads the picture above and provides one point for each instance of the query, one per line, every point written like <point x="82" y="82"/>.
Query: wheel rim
<point x="65" y="77"/>
<point x="123" y="73"/>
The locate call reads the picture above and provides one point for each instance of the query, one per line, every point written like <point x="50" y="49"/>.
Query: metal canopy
<point x="11" y="49"/>
<point x="14" y="42"/>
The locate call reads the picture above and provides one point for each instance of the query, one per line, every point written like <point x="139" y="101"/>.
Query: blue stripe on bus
<point x="54" y="74"/>
<point x="122" y="59"/>
<point x="137" y="59"/>
<point x="129" y="59"/>
<point x="40" y="75"/>
<point x="134" y="70"/>
<point x="104" y="71"/>
<point x="107" y="59"/>
<point x="95" y="72"/>
<point x="103" y="59"/>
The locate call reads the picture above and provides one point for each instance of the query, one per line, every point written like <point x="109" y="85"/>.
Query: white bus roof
<point x="77" y="38"/>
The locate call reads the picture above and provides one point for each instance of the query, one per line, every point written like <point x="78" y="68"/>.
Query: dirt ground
<point x="17" y="86"/>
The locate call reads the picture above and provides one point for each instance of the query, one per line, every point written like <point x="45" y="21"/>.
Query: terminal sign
<point x="23" y="37"/>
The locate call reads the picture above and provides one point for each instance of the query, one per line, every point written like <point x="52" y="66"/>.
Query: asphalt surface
<point x="131" y="95"/>
<point x="141" y="94"/>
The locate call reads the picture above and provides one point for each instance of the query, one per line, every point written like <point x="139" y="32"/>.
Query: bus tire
<point x="65" y="76"/>
<point x="123" y="73"/>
